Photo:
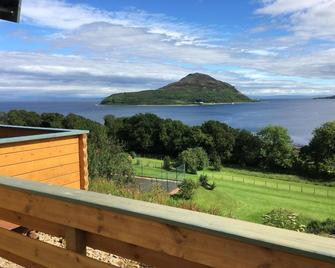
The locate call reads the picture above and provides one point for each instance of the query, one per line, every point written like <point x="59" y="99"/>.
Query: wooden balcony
<point x="153" y="234"/>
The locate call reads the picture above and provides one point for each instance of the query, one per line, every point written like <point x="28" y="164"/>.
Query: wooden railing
<point x="148" y="233"/>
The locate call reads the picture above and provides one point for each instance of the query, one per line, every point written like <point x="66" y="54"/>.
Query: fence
<point x="153" y="234"/>
<point x="292" y="187"/>
<point x="141" y="169"/>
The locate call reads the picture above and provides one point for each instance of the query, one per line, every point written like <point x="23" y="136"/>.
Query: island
<point x="196" y="88"/>
<point x="326" y="98"/>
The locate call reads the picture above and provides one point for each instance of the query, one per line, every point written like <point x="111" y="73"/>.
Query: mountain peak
<point x="197" y="78"/>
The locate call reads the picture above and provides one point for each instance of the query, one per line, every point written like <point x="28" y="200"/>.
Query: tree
<point x="173" y="136"/>
<point x="114" y="126"/>
<point x="319" y="155"/>
<point x="194" y="159"/>
<point x="140" y="133"/>
<point x="54" y="120"/>
<point x="277" y="149"/>
<point x="223" y="139"/>
<point x="246" y="149"/>
<point x="23" y="118"/>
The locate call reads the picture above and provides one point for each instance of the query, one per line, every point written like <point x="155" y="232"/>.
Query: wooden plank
<point x="138" y="254"/>
<point x="73" y="185"/>
<point x="49" y="173"/>
<point x="34" y="145"/>
<point x="15" y="170"/>
<point x="33" y="223"/>
<point x="83" y="162"/>
<point x="18" y="260"/>
<point x="43" y="253"/>
<point x="38" y="154"/>
<point x="198" y="245"/>
<point x="65" y="179"/>
<point x="8" y="225"/>
<point x="17" y="132"/>
<point x="76" y="240"/>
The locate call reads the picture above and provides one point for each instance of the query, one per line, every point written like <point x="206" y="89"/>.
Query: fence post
<point x="161" y="171"/>
<point x="301" y="188"/>
<point x="75" y="240"/>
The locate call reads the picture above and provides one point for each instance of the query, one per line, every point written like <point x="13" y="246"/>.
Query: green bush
<point x="283" y="218"/>
<point x="186" y="189"/>
<point x="203" y="179"/>
<point x="194" y="159"/>
<point x="314" y="227"/>
<point x="318" y="227"/>
<point x="217" y="165"/>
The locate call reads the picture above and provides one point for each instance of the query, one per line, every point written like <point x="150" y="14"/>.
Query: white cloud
<point x="308" y="19"/>
<point x="61" y="15"/>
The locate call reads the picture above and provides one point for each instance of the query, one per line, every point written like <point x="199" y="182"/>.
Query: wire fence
<point x="283" y="186"/>
<point x="159" y="173"/>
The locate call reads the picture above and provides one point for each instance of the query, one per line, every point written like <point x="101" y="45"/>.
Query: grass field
<point x="248" y="195"/>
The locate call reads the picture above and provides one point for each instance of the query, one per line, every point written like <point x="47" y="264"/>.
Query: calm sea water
<point x="299" y="116"/>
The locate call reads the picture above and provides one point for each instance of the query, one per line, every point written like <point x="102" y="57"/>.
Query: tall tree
<point x="223" y="139"/>
<point x="247" y="149"/>
<point x="320" y="153"/>
<point x="277" y="150"/>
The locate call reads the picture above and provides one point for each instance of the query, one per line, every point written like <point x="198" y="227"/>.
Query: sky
<point x="93" y="48"/>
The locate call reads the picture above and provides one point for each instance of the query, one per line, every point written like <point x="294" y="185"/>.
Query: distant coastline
<point x="325" y="98"/>
<point x="182" y="105"/>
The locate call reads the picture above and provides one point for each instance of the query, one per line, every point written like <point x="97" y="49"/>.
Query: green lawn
<point x="258" y="194"/>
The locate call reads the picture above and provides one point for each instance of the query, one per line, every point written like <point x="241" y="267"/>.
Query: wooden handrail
<point x="154" y="234"/>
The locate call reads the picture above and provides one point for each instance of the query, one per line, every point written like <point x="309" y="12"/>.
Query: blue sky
<point x="92" y="48"/>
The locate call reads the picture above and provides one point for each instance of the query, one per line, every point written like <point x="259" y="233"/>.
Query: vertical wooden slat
<point x="83" y="162"/>
<point x="75" y="240"/>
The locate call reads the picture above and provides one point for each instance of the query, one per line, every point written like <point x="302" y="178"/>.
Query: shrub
<point x="283" y="218"/>
<point x="186" y="189"/>
<point x="167" y="163"/>
<point x="194" y="159"/>
<point x="203" y="179"/>
<point x="317" y="227"/>
<point x="314" y="227"/>
<point x="216" y="163"/>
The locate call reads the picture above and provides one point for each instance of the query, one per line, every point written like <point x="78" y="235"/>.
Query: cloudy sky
<point x="92" y="48"/>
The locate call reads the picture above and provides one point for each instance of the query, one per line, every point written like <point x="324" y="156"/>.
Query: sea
<point x="299" y="116"/>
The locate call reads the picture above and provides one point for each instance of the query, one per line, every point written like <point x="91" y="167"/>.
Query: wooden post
<point x="75" y="240"/>
<point x="83" y="162"/>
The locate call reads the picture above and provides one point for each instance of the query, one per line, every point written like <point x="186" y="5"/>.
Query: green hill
<point x="195" y="88"/>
